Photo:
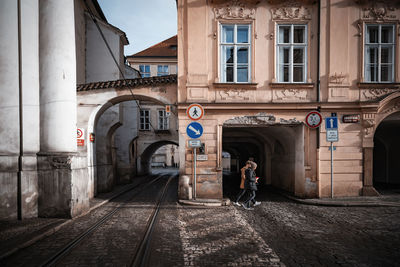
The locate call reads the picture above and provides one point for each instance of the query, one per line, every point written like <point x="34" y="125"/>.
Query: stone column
<point x="62" y="173"/>
<point x="368" y="124"/>
<point x="368" y="187"/>
<point x="19" y="108"/>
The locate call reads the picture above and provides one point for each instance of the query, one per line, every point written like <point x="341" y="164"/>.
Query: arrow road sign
<point x="331" y="123"/>
<point x="194" y="130"/>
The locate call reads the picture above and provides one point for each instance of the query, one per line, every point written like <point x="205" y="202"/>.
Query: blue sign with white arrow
<point x="331" y="123"/>
<point x="194" y="130"/>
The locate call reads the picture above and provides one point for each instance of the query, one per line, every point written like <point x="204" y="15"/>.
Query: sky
<point x="145" y="22"/>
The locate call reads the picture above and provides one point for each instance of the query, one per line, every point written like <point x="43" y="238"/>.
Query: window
<point x="163" y="121"/>
<point x="162" y="70"/>
<point x="292" y="53"/>
<point x="144" y="120"/>
<point x="235" y="53"/>
<point x="144" y="70"/>
<point x="379" y="53"/>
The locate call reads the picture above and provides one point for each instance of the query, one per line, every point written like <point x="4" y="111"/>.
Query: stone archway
<point x="145" y="157"/>
<point x="281" y="145"/>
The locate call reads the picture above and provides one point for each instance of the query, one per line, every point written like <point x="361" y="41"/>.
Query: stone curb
<point x="58" y="227"/>
<point x="205" y="202"/>
<point x="338" y="203"/>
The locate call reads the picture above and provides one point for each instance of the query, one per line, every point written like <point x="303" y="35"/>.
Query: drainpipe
<point x="21" y="143"/>
<point x="318" y="66"/>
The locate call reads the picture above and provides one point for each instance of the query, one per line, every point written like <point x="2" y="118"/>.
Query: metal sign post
<point x="194" y="175"/>
<point x="194" y="144"/>
<point x="332" y="135"/>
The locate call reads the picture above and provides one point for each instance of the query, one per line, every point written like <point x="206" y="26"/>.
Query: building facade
<point x="259" y="67"/>
<point x="47" y="48"/>
<point x="157" y="60"/>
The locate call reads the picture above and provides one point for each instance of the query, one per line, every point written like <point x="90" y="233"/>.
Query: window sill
<point x="366" y="85"/>
<point x="292" y="85"/>
<point x="162" y="131"/>
<point x="236" y="85"/>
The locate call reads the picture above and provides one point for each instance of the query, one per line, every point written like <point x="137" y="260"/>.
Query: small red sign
<point x="91" y="137"/>
<point x="81" y="142"/>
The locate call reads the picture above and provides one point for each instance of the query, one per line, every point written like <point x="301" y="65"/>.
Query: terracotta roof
<point x="166" y="48"/>
<point x="149" y="81"/>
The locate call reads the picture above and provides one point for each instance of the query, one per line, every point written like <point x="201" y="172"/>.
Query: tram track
<point x="141" y="249"/>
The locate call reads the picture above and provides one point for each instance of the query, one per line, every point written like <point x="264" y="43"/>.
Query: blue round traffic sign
<point x="194" y="130"/>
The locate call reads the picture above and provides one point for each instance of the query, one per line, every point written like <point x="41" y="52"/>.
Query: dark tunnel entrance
<point x="277" y="149"/>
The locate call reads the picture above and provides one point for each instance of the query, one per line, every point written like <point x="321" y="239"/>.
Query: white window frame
<point x="235" y="45"/>
<point x="291" y="45"/>
<point x="163" y="67"/>
<point x="145" y="125"/>
<point x="163" y="120"/>
<point x="379" y="45"/>
<point x="145" y="74"/>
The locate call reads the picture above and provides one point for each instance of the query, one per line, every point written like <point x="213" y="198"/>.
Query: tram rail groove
<point x="53" y="230"/>
<point x="72" y="244"/>
<point x="141" y="254"/>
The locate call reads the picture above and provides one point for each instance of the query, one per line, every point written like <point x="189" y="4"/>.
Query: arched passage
<point x="277" y="148"/>
<point x="144" y="161"/>
<point x="386" y="168"/>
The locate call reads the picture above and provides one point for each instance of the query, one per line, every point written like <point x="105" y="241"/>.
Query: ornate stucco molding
<point x="337" y="78"/>
<point x="234" y="95"/>
<point x="290" y="10"/>
<point x="395" y="107"/>
<point x="235" y="9"/>
<point x="370" y="94"/>
<point x="290" y="94"/>
<point x="379" y="11"/>
<point x="261" y="118"/>
<point x="368" y="124"/>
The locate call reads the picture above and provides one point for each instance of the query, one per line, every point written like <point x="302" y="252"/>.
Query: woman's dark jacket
<point x="250" y="182"/>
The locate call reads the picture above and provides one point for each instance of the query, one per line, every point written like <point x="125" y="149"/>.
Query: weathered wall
<point x="124" y="136"/>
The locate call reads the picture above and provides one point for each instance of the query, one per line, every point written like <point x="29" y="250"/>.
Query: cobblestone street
<point x="279" y="232"/>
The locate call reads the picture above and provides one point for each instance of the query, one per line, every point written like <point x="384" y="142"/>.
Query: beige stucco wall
<point x="342" y="86"/>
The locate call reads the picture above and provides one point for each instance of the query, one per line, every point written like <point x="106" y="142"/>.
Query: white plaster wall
<point x="100" y="65"/>
<point x="9" y="97"/>
<point x="30" y="75"/>
<point x="80" y="37"/>
<point x="105" y="176"/>
<point x="123" y="138"/>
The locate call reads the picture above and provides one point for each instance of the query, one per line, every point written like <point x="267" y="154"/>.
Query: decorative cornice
<point x="261" y="118"/>
<point x="235" y="9"/>
<point x="290" y="94"/>
<point x="234" y="95"/>
<point x="375" y="93"/>
<point x="337" y="78"/>
<point x="290" y="10"/>
<point x="379" y="10"/>
<point x="368" y="123"/>
<point x="392" y="109"/>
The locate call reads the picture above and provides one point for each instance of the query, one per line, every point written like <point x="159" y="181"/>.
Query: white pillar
<point x="57" y="76"/>
<point x="9" y="98"/>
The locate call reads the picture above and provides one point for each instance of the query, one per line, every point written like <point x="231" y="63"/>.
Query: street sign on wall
<point x="313" y="119"/>
<point x="80" y="135"/>
<point x="332" y="135"/>
<point x="331" y="123"/>
<point x="195" y="112"/>
<point x="194" y="130"/>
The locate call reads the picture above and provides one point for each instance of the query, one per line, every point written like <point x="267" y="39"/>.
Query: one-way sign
<point x="331" y="123"/>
